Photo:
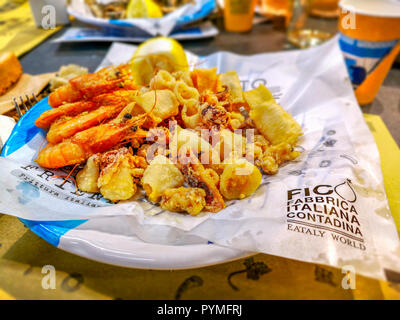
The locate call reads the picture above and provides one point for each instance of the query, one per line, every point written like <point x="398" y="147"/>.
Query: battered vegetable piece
<point x="258" y="96"/>
<point x="118" y="175"/>
<point x="88" y="176"/>
<point x="159" y="176"/>
<point x="163" y="80"/>
<point x="191" y="114"/>
<point x="65" y="74"/>
<point x="189" y="140"/>
<point x="206" y="80"/>
<point x="183" y="76"/>
<point x="161" y="104"/>
<point x="232" y="82"/>
<point x="237" y="120"/>
<point x="185" y="93"/>
<point x="270" y="118"/>
<point x="190" y="200"/>
<point x="273" y="156"/>
<point x="239" y="179"/>
<point x="230" y="142"/>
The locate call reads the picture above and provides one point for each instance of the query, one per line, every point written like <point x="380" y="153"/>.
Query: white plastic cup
<point x="49" y="13"/>
<point x="6" y="126"/>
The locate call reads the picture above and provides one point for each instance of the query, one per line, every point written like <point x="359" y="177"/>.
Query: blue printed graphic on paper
<point x="29" y="191"/>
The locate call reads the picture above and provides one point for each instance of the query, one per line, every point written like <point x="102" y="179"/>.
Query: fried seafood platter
<point x="191" y="140"/>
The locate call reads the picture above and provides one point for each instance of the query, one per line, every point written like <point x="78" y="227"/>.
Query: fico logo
<point x="326" y="210"/>
<point x="344" y="190"/>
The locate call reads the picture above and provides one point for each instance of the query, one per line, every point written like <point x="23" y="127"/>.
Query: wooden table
<point x="23" y="254"/>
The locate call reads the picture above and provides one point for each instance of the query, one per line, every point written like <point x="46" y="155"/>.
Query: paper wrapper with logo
<point x="328" y="207"/>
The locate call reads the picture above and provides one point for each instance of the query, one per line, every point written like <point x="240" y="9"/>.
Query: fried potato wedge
<point x="239" y="179"/>
<point x="88" y="176"/>
<point x="206" y="80"/>
<point x="159" y="176"/>
<point x="118" y="175"/>
<point x="270" y="118"/>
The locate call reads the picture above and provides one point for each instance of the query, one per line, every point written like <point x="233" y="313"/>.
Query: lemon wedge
<point x="143" y="9"/>
<point x="155" y="54"/>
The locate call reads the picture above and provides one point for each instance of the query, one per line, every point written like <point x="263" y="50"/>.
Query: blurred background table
<point x="23" y="254"/>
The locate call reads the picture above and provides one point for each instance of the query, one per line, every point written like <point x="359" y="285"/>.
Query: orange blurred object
<point x="324" y="8"/>
<point x="238" y="15"/>
<point x="275" y="7"/>
<point x="370" y="42"/>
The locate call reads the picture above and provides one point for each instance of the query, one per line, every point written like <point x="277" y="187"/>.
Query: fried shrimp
<point x="67" y="126"/>
<point x="69" y="109"/>
<point x="85" y="87"/>
<point x="88" y="142"/>
<point x="88" y="86"/>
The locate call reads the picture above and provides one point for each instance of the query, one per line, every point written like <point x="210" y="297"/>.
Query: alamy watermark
<point x="349" y="280"/>
<point x="187" y="148"/>
<point x="49" y="17"/>
<point x="348" y="20"/>
<point x="49" y="279"/>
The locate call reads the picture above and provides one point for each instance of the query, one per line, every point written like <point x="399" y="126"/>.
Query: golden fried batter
<point x="160" y="175"/>
<point x="197" y="176"/>
<point x="273" y="156"/>
<point x="214" y="116"/>
<point x="190" y="200"/>
<point x="88" y="176"/>
<point x="239" y="179"/>
<point x="118" y="174"/>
